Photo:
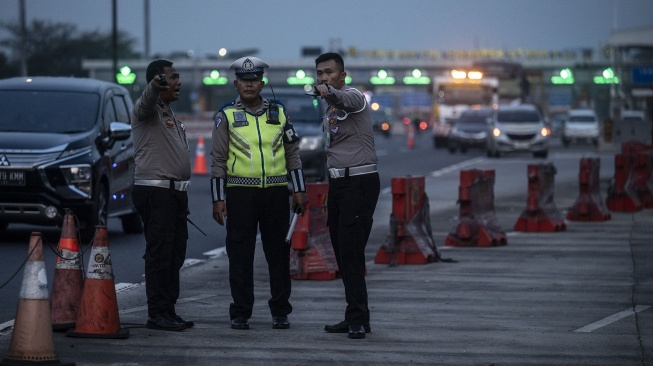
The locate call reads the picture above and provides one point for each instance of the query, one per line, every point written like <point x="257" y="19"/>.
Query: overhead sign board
<point x="643" y="75"/>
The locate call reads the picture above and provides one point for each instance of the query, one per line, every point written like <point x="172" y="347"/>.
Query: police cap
<point x="249" y="67"/>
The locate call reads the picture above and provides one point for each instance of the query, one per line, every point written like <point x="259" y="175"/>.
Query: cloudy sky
<point x="279" y="29"/>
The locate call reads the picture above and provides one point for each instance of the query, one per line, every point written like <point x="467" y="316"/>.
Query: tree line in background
<point x="57" y="49"/>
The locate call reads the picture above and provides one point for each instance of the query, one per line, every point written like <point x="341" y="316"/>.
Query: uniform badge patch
<point x="218" y="120"/>
<point x="240" y="119"/>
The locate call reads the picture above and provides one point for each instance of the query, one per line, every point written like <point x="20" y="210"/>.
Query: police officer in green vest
<point x="255" y="152"/>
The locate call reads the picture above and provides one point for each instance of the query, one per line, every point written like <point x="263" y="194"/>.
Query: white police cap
<point x="249" y="67"/>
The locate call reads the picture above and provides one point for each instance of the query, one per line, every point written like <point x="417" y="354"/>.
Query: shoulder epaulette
<point x="226" y="105"/>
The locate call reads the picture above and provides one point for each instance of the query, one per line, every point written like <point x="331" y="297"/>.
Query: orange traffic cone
<point x="98" y="311"/>
<point x="68" y="277"/>
<point x="411" y="137"/>
<point x="31" y="339"/>
<point x="200" y="159"/>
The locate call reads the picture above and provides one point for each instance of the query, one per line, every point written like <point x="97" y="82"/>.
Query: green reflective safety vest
<point x="256" y="152"/>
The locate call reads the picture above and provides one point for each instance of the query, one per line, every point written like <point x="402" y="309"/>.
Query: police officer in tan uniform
<point x="161" y="180"/>
<point x="255" y="151"/>
<point x="353" y="186"/>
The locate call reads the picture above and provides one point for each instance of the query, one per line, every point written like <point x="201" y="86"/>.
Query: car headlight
<point x="78" y="176"/>
<point x="496" y="132"/>
<point x="310" y="143"/>
<point x="545" y="131"/>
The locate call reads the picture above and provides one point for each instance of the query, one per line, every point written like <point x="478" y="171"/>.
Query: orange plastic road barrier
<point x="477" y="225"/>
<point x="200" y="159"/>
<point x="622" y="196"/>
<point x="311" y="255"/>
<point x="98" y="312"/>
<point x="589" y="204"/>
<point x="410" y="240"/>
<point x="68" y="277"/>
<point x="31" y="339"/>
<point x="541" y="214"/>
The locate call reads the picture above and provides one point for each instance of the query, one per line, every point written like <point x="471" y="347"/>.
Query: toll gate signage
<point x="643" y="75"/>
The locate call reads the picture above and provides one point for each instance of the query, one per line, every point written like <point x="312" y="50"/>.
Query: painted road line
<point x="180" y="301"/>
<point x="611" y="319"/>
<point x="456" y="167"/>
<point x="216" y="253"/>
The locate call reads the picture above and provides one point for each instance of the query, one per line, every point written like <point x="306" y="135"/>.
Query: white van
<point x="580" y="125"/>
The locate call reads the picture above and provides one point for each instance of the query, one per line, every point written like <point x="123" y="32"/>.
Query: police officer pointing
<point x="353" y="186"/>
<point x="255" y="151"/>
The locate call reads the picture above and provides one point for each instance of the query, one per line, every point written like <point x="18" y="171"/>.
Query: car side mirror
<point x="119" y="131"/>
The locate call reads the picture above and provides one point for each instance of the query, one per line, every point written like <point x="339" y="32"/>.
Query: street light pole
<point x="114" y="39"/>
<point x="23" y="36"/>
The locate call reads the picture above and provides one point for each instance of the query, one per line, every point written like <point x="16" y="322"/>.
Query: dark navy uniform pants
<point x="351" y="204"/>
<point x="249" y="210"/>
<point x="164" y="212"/>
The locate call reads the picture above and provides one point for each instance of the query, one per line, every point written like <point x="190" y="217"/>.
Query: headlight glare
<point x="310" y="143"/>
<point x="79" y="176"/>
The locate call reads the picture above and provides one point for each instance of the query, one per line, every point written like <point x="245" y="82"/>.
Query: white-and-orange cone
<point x="31" y="339"/>
<point x="200" y="158"/>
<point x="410" y="141"/>
<point x="68" y="277"/>
<point x="98" y="311"/>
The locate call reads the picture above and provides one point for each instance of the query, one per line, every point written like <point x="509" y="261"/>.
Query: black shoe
<point x="343" y="327"/>
<point x="356" y="332"/>
<point x="239" y="323"/>
<point x="178" y="319"/>
<point x="280" y="322"/>
<point x="161" y="322"/>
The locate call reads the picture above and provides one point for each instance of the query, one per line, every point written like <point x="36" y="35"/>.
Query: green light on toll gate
<point x="125" y="76"/>
<point x="214" y="78"/>
<point x="382" y="78"/>
<point x="416" y="78"/>
<point x="565" y="77"/>
<point x="300" y="78"/>
<point x="607" y="77"/>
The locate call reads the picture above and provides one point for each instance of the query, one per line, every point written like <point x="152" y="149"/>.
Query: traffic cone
<point x="200" y="159"/>
<point x="31" y="339"/>
<point x="411" y="137"/>
<point x="98" y="311"/>
<point x="68" y="277"/>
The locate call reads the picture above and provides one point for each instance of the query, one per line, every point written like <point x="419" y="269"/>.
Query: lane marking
<point x="611" y="319"/>
<point x="180" y="301"/>
<point x="455" y="167"/>
<point x="216" y="253"/>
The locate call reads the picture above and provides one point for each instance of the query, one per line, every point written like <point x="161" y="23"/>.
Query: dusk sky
<point x="279" y="29"/>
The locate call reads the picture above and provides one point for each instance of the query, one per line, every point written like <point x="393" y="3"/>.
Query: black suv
<point x="66" y="143"/>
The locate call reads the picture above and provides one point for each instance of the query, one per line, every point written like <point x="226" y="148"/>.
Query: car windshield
<point x="472" y="118"/>
<point x="632" y="119"/>
<point x="302" y="109"/>
<point x="581" y="119"/>
<point x="47" y="111"/>
<point x="518" y="116"/>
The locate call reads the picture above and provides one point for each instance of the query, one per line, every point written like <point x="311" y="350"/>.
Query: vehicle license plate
<point x="12" y="178"/>
<point x="521" y="145"/>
